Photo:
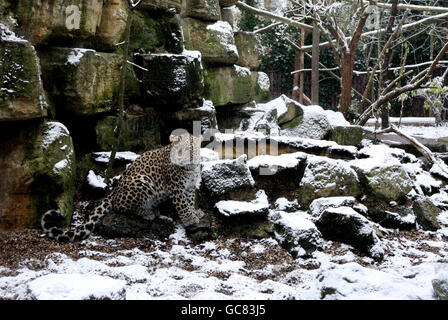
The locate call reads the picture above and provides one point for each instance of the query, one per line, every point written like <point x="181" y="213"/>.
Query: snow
<point x="54" y="131"/>
<point x="336" y="118"/>
<point x="209" y="155"/>
<point x="319" y="205"/>
<point x="96" y="181"/>
<point x="76" y="286"/>
<point x="271" y="164"/>
<point x="231" y="207"/>
<point x="298" y="220"/>
<point x="76" y="55"/>
<point x="124" y="155"/>
<point x="263" y="81"/>
<point x="7" y="35"/>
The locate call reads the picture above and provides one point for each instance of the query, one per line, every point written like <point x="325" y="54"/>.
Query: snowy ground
<point x="229" y="268"/>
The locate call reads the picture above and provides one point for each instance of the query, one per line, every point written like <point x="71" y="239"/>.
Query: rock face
<point x="44" y="20"/>
<point x="172" y="79"/>
<point x="235" y="85"/>
<point x="249" y="49"/>
<point x="38" y="171"/>
<point x="203" y="9"/>
<point x="83" y="81"/>
<point x="440" y="287"/>
<point x="113" y="24"/>
<point x="346" y="225"/>
<point x="427" y="214"/>
<point x="22" y="96"/>
<point x="141" y="132"/>
<point x="296" y="233"/>
<point x="326" y="177"/>
<point x="402" y="218"/>
<point x="215" y="41"/>
<point x="184" y="118"/>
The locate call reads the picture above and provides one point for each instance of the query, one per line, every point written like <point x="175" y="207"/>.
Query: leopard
<point x="167" y="173"/>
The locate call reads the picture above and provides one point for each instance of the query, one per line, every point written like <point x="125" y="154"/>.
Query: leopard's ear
<point x="175" y="139"/>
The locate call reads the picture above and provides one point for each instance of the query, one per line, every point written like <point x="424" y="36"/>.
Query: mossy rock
<point x="427" y="214"/>
<point x="229" y="85"/>
<point x="38" y="173"/>
<point x="347" y="135"/>
<point x="22" y="96"/>
<point x="152" y="32"/>
<point x="53" y="167"/>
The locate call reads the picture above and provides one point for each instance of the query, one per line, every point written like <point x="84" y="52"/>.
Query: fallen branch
<point x="428" y="154"/>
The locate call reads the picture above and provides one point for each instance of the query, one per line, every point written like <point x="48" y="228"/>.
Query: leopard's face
<point x="186" y="151"/>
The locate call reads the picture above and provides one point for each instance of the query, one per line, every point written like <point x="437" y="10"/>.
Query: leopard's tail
<point x="52" y="220"/>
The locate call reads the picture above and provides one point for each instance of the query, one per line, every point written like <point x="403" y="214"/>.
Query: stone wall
<point x="60" y="63"/>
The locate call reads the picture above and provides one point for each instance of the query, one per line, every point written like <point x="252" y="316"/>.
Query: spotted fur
<point x="170" y="172"/>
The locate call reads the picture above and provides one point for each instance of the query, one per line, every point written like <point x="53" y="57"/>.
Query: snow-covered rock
<point x="321" y="204"/>
<point x="346" y="225"/>
<point x="296" y="232"/>
<point x="382" y="174"/>
<point x="259" y="206"/>
<point x="283" y="204"/>
<point x="326" y="177"/>
<point x="313" y="124"/>
<point x="76" y="286"/>
<point x="209" y="155"/>
<point x="221" y="179"/>
<point x="401" y="217"/>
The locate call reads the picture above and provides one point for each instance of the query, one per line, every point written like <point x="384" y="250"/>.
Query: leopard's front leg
<point x="184" y="201"/>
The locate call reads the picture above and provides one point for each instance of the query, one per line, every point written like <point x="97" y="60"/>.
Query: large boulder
<point x="386" y="181"/>
<point x="172" y="79"/>
<point x="346" y="225"/>
<point x="84" y="81"/>
<point x="22" y="96"/>
<point x="43" y="21"/>
<point x="278" y="175"/>
<point x="313" y="124"/>
<point x="427" y="214"/>
<point x="226" y="179"/>
<point x="215" y="41"/>
<point x="296" y="233"/>
<point x="38" y="173"/>
<point x="235" y="85"/>
<point x="203" y="9"/>
<point x="249" y="49"/>
<point x="326" y="177"/>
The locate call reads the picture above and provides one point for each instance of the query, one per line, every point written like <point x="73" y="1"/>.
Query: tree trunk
<point x="348" y="63"/>
<point x="315" y="66"/>
<point x="385" y="73"/>
<point x="122" y="88"/>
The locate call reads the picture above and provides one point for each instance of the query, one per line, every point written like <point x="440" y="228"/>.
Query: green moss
<point x="350" y="135"/>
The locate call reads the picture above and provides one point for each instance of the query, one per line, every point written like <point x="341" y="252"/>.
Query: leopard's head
<point x="186" y="150"/>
